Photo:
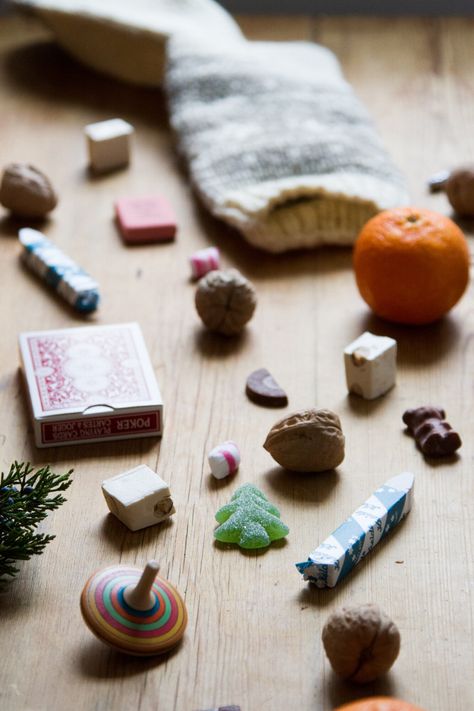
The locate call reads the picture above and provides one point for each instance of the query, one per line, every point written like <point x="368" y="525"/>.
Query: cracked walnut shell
<point x="361" y="642"/>
<point x="225" y="301"/>
<point x="307" y="441"/>
<point x="26" y="191"/>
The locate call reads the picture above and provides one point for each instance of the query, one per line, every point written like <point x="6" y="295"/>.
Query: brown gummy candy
<point x="434" y="436"/>
<point x="263" y="389"/>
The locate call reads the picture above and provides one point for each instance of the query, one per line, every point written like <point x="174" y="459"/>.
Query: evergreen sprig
<point x="26" y="498"/>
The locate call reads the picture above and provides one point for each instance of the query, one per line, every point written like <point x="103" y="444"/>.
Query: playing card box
<point x="90" y="384"/>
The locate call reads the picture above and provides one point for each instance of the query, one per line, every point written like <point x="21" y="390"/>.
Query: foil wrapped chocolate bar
<point x="360" y="533"/>
<point x="59" y="271"/>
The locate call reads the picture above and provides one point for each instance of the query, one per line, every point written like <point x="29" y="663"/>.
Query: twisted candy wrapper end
<point x="360" y="533"/>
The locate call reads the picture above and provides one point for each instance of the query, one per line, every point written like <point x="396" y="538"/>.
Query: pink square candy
<point x="145" y="219"/>
<point x="204" y="261"/>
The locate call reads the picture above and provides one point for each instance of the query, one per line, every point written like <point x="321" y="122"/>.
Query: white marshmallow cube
<point x="224" y="459"/>
<point x="371" y="365"/>
<point x="108" y="143"/>
<point x="138" y="497"/>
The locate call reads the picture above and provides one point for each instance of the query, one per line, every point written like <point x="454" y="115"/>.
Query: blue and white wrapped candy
<point x="59" y="271"/>
<point x="348" y="544"/>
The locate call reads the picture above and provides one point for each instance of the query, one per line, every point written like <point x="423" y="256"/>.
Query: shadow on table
<point x="97" y="661"/>
<point x="214" y="345"/>
<point x="341" y="692"/>
<point x="11" y="225"/>
<point x="418" y="346"/>
<point x="50" y="294"/>
<point x="214" y="484"/>
<point x="118" y="535"/>
<point x="13" y="601"/>
<point x="255" y="263"/>
<point x="466" y="224"/>
<point x="43" y="69"/>
<point x="140" y="447"/>
<point x="310" y="487"/>
<point x="321" y="597"/>
<point x="433" y="462"/>
<point x="250" y="553"/>
<point x="360" y="407"/>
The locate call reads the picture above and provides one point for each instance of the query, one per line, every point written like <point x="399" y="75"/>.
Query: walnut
<point x="26" y="191"/>
<point x="460" y="190"/>
<point x="307" y="441"/>
<point x="225" y="301"/>
<point x="361" y="642"/>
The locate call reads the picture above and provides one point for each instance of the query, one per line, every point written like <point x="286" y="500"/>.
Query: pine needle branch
<point x="26" y="498"/>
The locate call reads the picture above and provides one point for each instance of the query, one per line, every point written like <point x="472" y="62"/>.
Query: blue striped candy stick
<point x="59" y="271"/>
<point x="348" y="544"/>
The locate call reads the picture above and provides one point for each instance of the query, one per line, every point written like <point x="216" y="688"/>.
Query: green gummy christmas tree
<point x="249" y="520"/>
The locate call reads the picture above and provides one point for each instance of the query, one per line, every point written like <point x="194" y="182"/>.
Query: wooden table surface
<point x="254" y="627"/>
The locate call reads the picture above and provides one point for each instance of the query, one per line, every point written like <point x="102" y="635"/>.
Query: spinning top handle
<point x="139" y="596"/>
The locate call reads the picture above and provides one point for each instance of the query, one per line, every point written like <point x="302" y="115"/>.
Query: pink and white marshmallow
<point x="224" y="459"/>
<point x="204" y="261"/>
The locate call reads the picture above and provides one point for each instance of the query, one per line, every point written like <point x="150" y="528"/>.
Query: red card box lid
<point x="90" y="383"/>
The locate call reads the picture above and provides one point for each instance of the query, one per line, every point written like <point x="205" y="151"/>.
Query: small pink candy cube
<point x="204" y="261"/>
<point x="145" y="219"/>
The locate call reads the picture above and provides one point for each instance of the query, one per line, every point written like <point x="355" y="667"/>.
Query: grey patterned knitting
<point x="276" y="141"/>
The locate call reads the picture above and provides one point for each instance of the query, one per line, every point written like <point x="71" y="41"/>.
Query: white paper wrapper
<point x="360" y="533"/>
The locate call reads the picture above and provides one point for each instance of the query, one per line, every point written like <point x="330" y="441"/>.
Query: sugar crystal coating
<point x="249" y="520"/>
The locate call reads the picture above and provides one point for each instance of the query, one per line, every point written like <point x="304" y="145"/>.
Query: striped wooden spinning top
<point x="134" y="611"/>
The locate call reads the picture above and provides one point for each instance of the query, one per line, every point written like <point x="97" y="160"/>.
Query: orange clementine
<point x="411" y="265"/>
<point x="379" y="703"/>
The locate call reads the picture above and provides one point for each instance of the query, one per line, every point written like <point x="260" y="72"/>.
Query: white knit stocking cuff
<point x="276" y="141"/>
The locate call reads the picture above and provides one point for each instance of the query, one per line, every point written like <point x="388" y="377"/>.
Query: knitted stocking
<point x="276" y="141"/>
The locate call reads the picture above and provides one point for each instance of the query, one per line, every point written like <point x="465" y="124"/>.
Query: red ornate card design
<point x="81" y="367"/>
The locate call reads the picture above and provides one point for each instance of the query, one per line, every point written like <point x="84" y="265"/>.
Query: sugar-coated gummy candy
<point x="249" y="520"/>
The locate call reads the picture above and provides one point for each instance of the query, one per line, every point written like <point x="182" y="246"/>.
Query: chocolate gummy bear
<point x="434" y="436"/>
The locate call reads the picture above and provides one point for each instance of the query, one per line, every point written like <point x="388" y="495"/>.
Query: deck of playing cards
<point x="89" y="384"/>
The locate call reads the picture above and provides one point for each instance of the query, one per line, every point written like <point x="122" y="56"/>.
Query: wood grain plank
<point x="254" y="631"/>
